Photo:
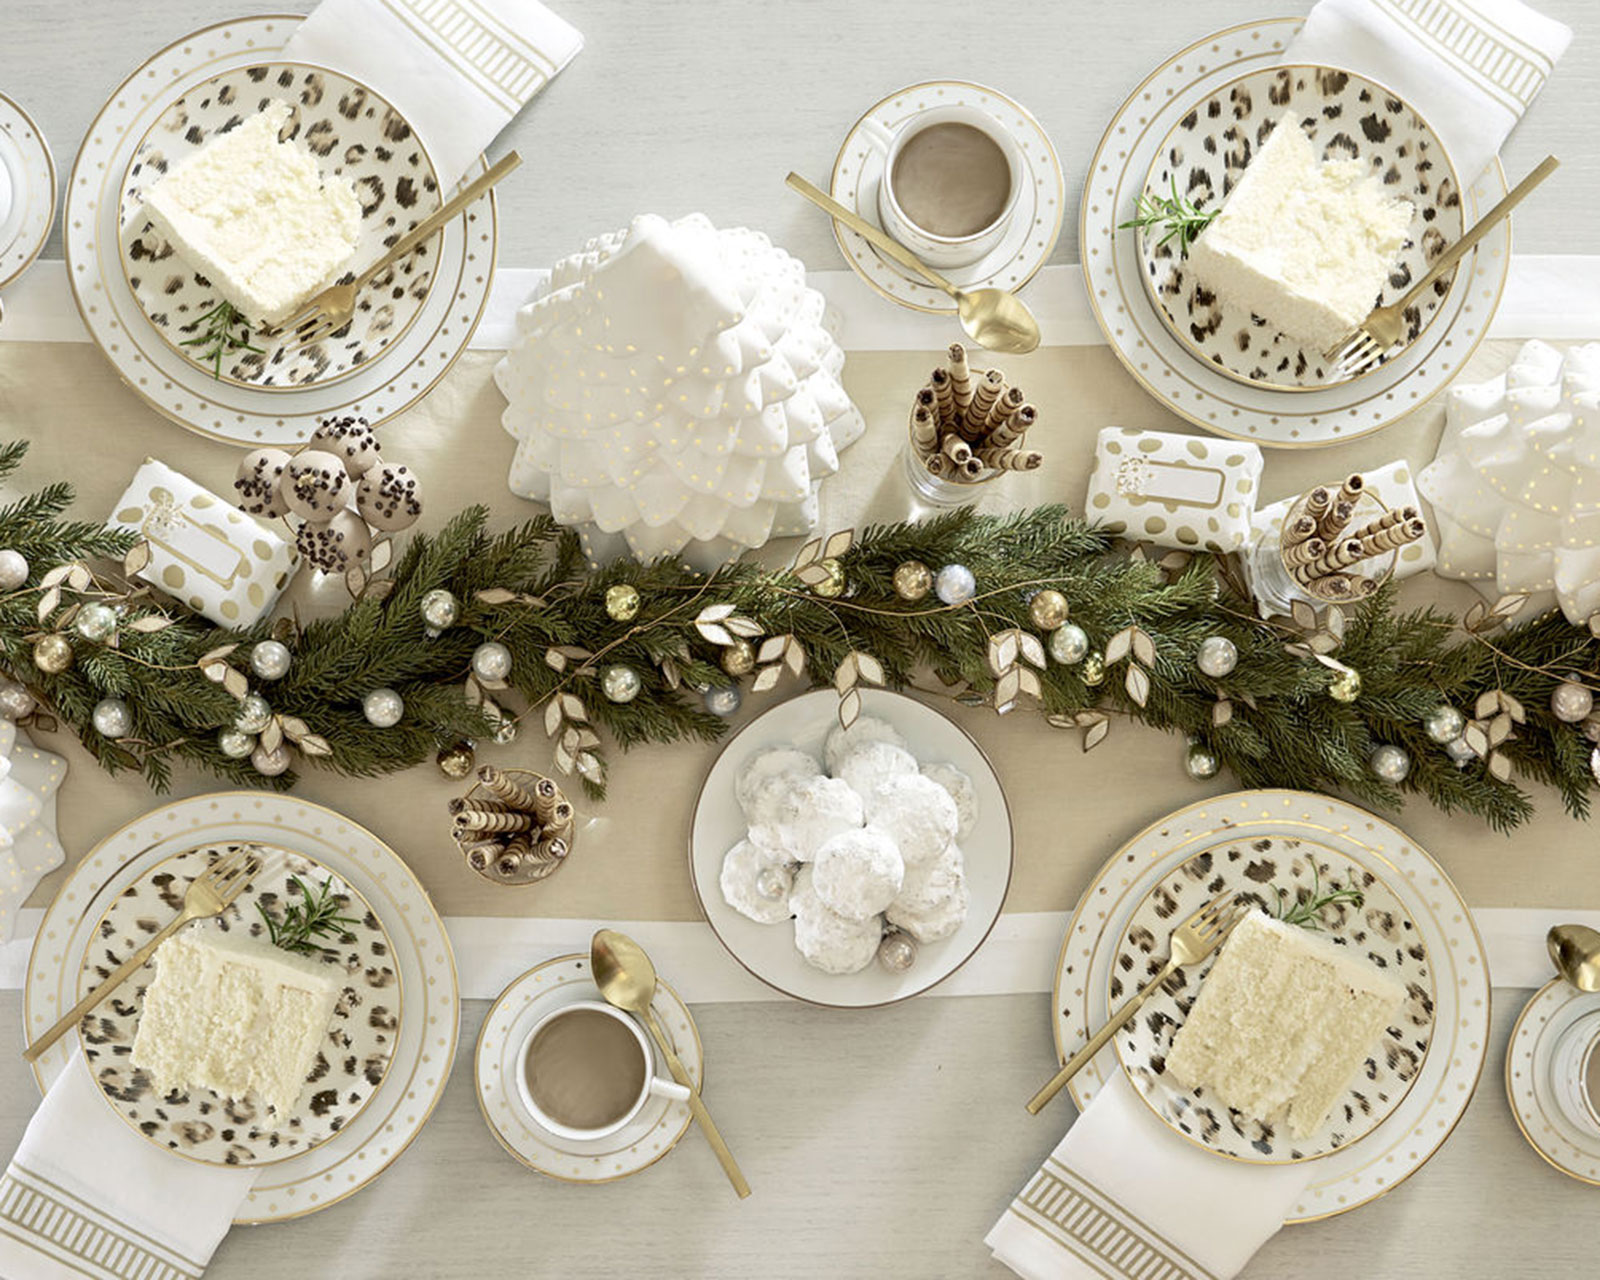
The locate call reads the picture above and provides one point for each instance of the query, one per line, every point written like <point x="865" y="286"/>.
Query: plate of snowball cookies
<point x="851" y="865"/>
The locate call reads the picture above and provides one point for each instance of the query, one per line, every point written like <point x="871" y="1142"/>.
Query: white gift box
<point x="1192" y="492"/>
<point x="204" y="551"/>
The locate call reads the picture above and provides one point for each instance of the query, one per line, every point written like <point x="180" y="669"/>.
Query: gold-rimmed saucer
<point x="29" y="176"/>
<point x="1529" y="1087"/>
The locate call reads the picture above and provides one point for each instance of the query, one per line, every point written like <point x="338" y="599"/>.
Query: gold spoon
<point x="627" y="979"/>
<point x="1575" y="952"/>
<point x="993" y="318"/>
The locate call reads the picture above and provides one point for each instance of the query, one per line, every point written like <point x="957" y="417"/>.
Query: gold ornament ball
<point x="622" y="602"/>
<point x="1048" y="609"/>
<point x="52" y="654"/>
<point x="912" y="581"/>
<point x="1093" y="670"/>
<point x="456" y="761"/>
<point x="833" y="585"/>
<point x="739" y="658"/>
<point x="1346" y="686"/>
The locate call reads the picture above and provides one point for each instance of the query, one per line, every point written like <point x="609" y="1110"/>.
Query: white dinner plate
<point x="768" y="951"/>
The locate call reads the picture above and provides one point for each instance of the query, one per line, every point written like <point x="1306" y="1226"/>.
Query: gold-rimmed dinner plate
<point x="1530" y="1085"/>
<point x="1427" y="1115"/>
<point x="767" y="950"/>
<point x="656" y="1130"/>
<point x="28" y="180"/>
<point x="1272" y="874"/>
<point x="425" y="1045"/>
<point x="357" y="1047"/>
<point x="1207" y="152"/>
<point x="356" y="136"/>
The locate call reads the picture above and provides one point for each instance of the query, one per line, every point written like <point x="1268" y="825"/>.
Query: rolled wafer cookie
<point x="1339" y="556"/>
<point x="983" y="399"/>
<point x="1333" y="522"/>
<point x="961" y="388"/>
<point x="1298" y="531"/>
<point x="477" y="821"/>
<point x="1009" y="402"/>
<point x="944" y="400"/>
<point x="1014" y="427"/>
<point x="956" y="449"/>
<point x="924" y="430"/>
<point x="1011" y="459"/>
<point x="503" y="788"/>
<point x="1351" y="489"/>
<point x="1313" y="548"/>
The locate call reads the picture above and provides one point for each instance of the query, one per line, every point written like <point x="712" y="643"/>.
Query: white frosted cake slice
<point x="235" y="1015"/>
<point x="1282" y="1022"/>
<point x="1305" y="244"/>
<point x="257" y="218"/>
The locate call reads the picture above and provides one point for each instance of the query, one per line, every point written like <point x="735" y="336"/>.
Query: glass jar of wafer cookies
<point x="514" y="826"/>
<point x="968" y="428"/>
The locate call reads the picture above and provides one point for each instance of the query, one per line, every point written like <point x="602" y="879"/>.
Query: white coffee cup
<point x="934" y="249"/>
<point x="1570" y="1062"/>
<point x="653" y="1085"/>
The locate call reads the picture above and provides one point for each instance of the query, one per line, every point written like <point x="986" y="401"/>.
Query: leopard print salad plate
<point x="202" y="1125"/>
<point x="1288" y="878"/>
<point x="351" y="131"/>
<point x="1207" y="152"/>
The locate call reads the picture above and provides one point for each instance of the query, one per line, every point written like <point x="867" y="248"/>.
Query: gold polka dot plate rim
<point x="26" y="218"/>
<point x="1530" y="1085"/>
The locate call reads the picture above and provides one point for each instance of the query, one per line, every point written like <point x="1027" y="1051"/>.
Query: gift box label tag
<point x="1174" y="482"/>
<point x="203" y="548"/>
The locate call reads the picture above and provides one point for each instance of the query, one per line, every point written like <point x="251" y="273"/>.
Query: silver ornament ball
<point x="1200" y="762"/>
<point x="383" y="708"/>
<point x="774" y="883"/>
<point x="1444" y="724"/>
<point x="254" y="714"/>
<point x="723" y="700"/>
<point x="491" y="660"/>
<point x="954" y="584"/>
<point x="1217" y="656"/>
<point x="270" y="659"/>
<point x="620" y="683"/>
<point x="1069" y="644"/>
<point x="1570" y="702"/>
<point x="1390" y="763"/>
<point x="269" y="764"/>
<point x="235" y="745"/>
<point x="16" y="703"/>
<point x="439" y="609"/>
<point x="96" y="622"/>
<point x="13" y="569"/>
<point x="897" y="952"/>
<point x="112" y="718"/>
<point x="1460" y="751"/>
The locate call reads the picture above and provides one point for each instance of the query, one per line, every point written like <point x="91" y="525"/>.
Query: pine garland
<point x="1271" y="721"/>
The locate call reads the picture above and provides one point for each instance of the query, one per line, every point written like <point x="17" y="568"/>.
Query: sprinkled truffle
<point x="259" y="482"/>
<point x="389" y="497"/>
<point x="315" y="485"/>
<point x="349" y="438"/>
<point x="335" y="547"/>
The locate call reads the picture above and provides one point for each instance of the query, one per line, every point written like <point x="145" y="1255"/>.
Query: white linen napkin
<point x="1469" y="67"/>
<point x="29" y="848"/>
<point x="1122" y="1195"/>
<point x="458" y="70"/>
<point x="87" y="1196"/>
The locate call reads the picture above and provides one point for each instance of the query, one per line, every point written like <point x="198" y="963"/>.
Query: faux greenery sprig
<point x="1179" y="216"/>
<point x="1306" y="910"/>
<point x="316" y="915"/>
<point x="218" y="337"/>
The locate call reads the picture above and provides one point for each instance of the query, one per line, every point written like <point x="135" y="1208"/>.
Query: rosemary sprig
<point x="316" y="915"/>
<point x="218" y="337"/>
<point x="1306" y="911"/>
<point x="1181" y="218"/>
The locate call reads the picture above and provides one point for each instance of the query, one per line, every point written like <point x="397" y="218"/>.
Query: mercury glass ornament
<point x="622" y="602"/>
<point x="1444" y="724"/>
<point x="491" y="660"/>
<point x="270" y="659"/>
<point x="505" y="726"/>
<point x="723" y="700"/>
<point x="269" y="764"/>
<point x="16" y="703"/>
<point x="1346" y="686"/>
<point x="254" y="714"/>
<point x="1217" y="656"/>
<point x="1069" y="644"/>
<point x="774" y="883"/>
<point x="1459" y="751"/>
<point x="96" y="621"/>
<point x="235" y="745"/>
<point x="739" y="658"/>
<point x="620" y="683"/>
<point x="112" y="718"/>
<point x="832" y="586"/>
<point x="897" y="952"/>
<point x="1093" y="671"/>
<point x="954" y="584"/>
<point x="1048" y="609"/>
<point x="1570" y="702"/>
<point x="383" y="708"/>
<point x="456" y="761"/>
<point x="52" y="654"/>
<point x="913" y="580"/>
<point x="1390" y="763"/>
<point x="1200" y="762"/>
<point x="439" y="610"/>
<point x="13" y="569"/>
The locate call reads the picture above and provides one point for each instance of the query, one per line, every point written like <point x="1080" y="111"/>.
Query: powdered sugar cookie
<point x="961" y="790"/>
<point x="800" y="817"/>
<point x="932" y="903"/>
<point x="864" y="767"/>
<point x="825" y="939"/>
<point x="841" y="742"/>
<point x="916" y="813"/>
<point x="768" y="765"/>
<point x="858" y="874"/>
<point x="747" y="870"/>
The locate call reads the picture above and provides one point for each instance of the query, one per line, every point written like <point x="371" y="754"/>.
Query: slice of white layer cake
<point x="1305" y="244"/>
<point x="1283" y="1020"/>
<point x="236" y="1015"/>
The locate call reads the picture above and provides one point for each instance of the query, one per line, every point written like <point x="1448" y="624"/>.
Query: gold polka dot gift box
<point x="1190" y="492"/>
<point x="216" y="559"/>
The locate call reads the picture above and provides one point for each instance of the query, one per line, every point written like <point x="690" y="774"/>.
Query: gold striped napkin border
<point x="503" y="65"/>
<point x="1501" y="64"/>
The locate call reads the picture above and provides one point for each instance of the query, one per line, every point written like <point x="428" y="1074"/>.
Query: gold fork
<point x="210" y="894"/>
<point x="332" y="308"/>
<point x="1382" y="331"/>
<point x="1193" y="940"/>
